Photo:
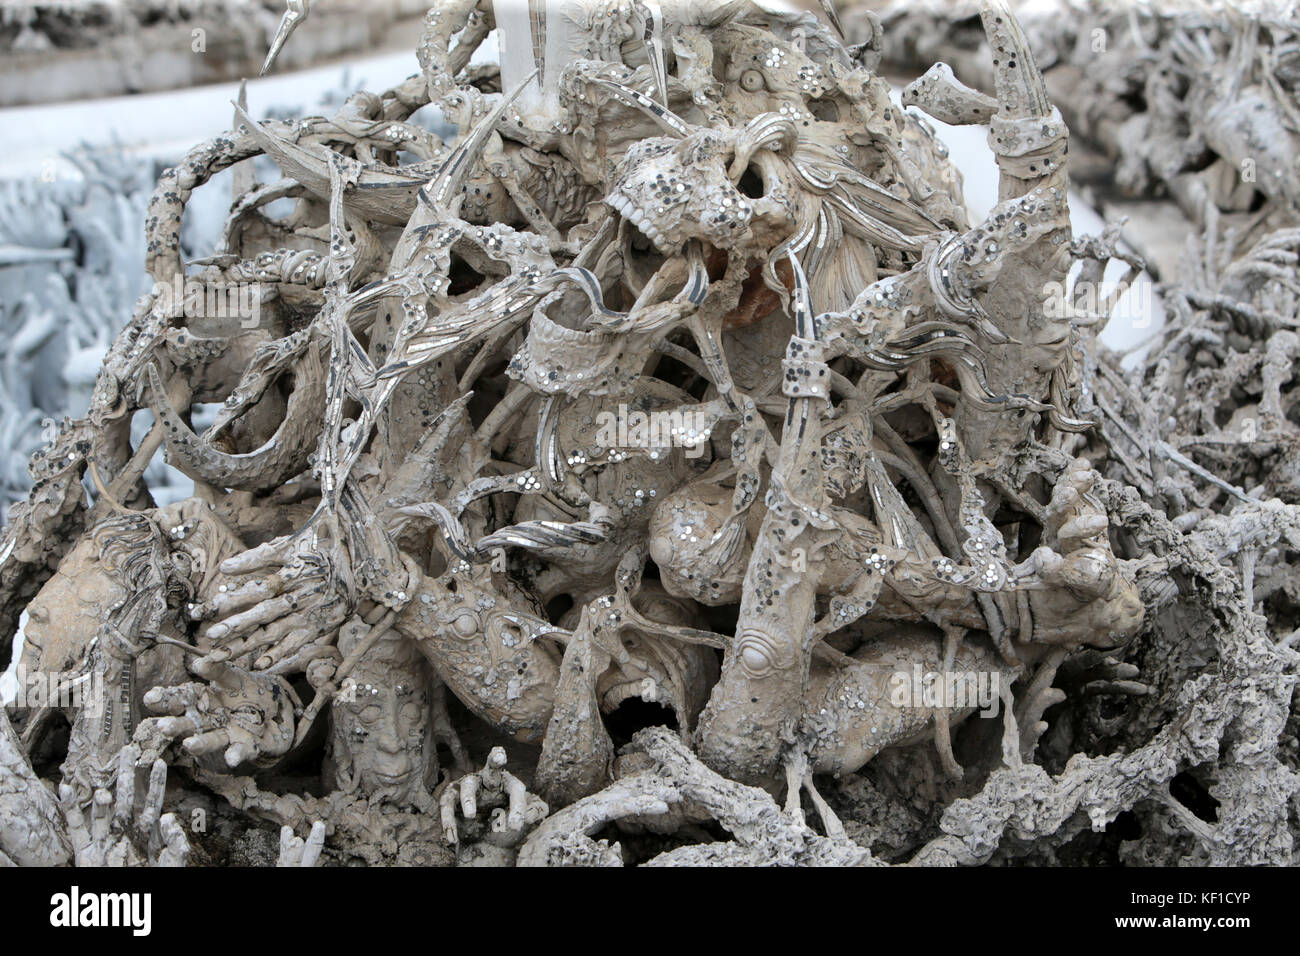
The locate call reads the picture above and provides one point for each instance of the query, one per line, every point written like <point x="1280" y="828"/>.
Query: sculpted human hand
<point x="491" y="788"/>
<point x="298" y="852"/>
<point x="1078" y="592"/>
<point x="123" y="829"/>
<point x="240" y="715"/>
<point x="286" y="601"/>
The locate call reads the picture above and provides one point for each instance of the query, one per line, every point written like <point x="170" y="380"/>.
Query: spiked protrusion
<point x="1027" y="134"/>
<point x="295" y="13"/>
<point x="276" y="461"/>
<point x="1020" y="88"/>
<point x="453" y="171"/>
<point x="665" y="117"/>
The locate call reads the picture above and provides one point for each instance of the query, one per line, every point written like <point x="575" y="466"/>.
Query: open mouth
<point x="644" y="252"/>
<point x="626" y="710"/>
<point x="615" y="695"/>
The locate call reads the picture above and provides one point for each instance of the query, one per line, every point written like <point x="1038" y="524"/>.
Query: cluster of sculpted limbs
<point x="430" y="477"/>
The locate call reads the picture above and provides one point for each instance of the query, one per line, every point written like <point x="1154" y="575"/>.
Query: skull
<point x="676" y="190"/>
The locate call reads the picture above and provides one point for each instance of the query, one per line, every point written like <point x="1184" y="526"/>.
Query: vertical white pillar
<point x="561" y="20"/>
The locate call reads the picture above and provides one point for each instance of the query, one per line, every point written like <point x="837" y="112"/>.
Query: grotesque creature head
<point x="674" y="191"/>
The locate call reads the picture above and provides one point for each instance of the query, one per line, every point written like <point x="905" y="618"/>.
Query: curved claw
<point x="297" y="11"/>
<point x="828" y="7"/>
<point x="653" y="41"/>
<point x="454" y="169"/>
<point x="281" y="457"/>
<point x="1027" y="134"/>
<point x="666" y="118"/>
<point x="452" y="530"/>
<point x="805" y="319"/>
<point x="433" y="197"/>
<point x="1022" y="94"/>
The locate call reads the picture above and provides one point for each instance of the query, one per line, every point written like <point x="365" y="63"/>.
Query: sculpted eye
<point x="751" y="81"/>
<point x="756" y="654"/>
<point x="464" y="624"/>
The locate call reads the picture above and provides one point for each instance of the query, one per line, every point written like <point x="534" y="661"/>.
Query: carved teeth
<point x="638" y="218"/>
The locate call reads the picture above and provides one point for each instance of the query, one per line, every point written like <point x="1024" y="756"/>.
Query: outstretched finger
<point x="216" y="669"/>
<point x="311" y="850"/>
<point x="151" y="812"/>
<point x="515" y="817"/>
<point x="176" y="845"/>
<point x="173" y="727"/>
<point x="124" y="799"/>
<point x="270" y="610"/>
<point x="208" y="742"/>
<point x="469" y="796"/>
<point x="173" y="701"/>
<point x="101" y="815"/>
<point x="293" y="641"/>
<point x="305" y="661"/>
<point x="268" y="555"/>
<point x="1081" y="531"/>
<point x="289" y="847"/>
<point x="239" y="752"/>
<point x="231" y="600"/>
<point x="447" y="813"/>
<point x="266" y="637"/>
